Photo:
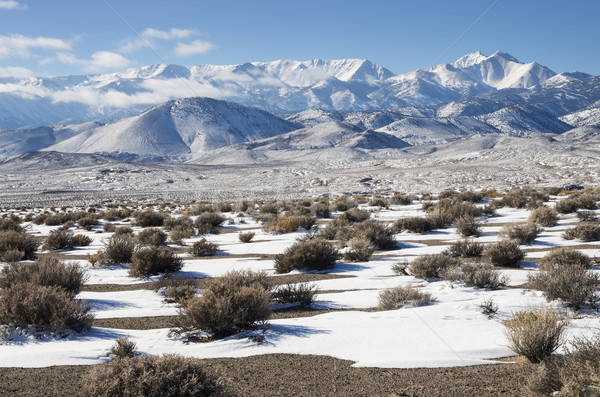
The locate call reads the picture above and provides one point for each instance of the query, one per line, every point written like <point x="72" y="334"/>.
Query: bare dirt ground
<point x="285" y="375"/>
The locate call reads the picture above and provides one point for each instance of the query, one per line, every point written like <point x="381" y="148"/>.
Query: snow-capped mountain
<point x="284" y="86"/>
<point x="502" y="70"/>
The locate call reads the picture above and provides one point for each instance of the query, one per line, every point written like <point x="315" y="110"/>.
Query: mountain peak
<point x="469" y="60"/>
<point x="504" y="55"/>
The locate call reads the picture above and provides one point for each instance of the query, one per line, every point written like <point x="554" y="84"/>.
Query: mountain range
<point x="280" y="87"/>
<point x="336" y="111"/>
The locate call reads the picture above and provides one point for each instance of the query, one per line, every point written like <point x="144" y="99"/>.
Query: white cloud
<point x="194" y="48"/>
<point x="155" y="91"/>
<point x="15" y="71"/>
<point x="172" y="34"/>
<point x="149" y="35"/>
<point x="99" y="62"/>
<point x="10" y="5"/>
<point x="16" y="45"/>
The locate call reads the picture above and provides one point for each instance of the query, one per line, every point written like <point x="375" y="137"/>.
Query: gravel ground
<point x="284" y="375"/>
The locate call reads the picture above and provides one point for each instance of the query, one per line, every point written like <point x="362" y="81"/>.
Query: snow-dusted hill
<point x="177" y="129"/>
<point x="329" y="142"/>
<point x="284" y="86"/>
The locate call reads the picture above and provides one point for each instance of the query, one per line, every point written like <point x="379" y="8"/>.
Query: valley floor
<point x="299" y="375"/>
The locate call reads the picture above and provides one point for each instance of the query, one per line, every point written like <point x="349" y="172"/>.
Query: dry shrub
<point x="475" y="275"/>
<point x="150" y="261"/>
<point x="535" y="334"/>
<point x="414" y="224"/>
<point x="270" y="223"/>
<point x="523" y="234"/>
<point x="377" y="233"/>
<point x="401" y="268"/>
<point x="11" y="256"/>
<point x="177" y="235"/>
<point x="111" y="215"/>
<point x="56" y="219"/>
<point x="229" y="304"/>
<point x="343" y="203"/>
<point x="149" y="218"/>
<point x="359" y="250"/>
<point x="468" y="226"/>
<point x="178" y="290"/>
<point x="246" y="237"/>
<point x="401" y="199"/>
<point x="208" y="222"/>
<point x="182" y="222"/>
<point x="87" y="223"/>
<point x="123" y="348"/>
<point x="44" y="271"/>
<point x="575" y="202"/>
<point x="448" y="210"/>
<point x="58" y="239"/>
<point x="46" y="308"/>
<point x="575" y="375"/>
<point x="80" y="240"/>
<point x="167" y="376"/>
<point x="306" y="222"/>
<point x="321" y="210"/>
<point x="356" y="215"/>
<point x="224" y="207"/>
<point x="520" y="198"/>
<point x="543" y="216"/>
<point x="586" y="231"/>
<point x="11" y="242"/>
<point x="465" y="248"/>
<point x="377" y="202"/>
<point x="587" y="216"/>
<point x="13" y="223"/>
<point x="489" y="307"/>
<point x="303" y="293"/>
<point x="503" y="253"/>
<point x="574" y="285"/>
<point x="203" y="247"/>
<point x="398" y="297"/>
<point x="338" y="229"/>
<point x="152" y="236"/>
<point x="432" y="266"/>
<point x="117" y="249"/>
<point x="564" y="257"/>
<point x="312" y="254"/>
<point x="123" y="231"/>
<point x="288" y="224"/>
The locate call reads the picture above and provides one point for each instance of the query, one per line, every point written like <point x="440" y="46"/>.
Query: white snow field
<point x="450" y="331"/>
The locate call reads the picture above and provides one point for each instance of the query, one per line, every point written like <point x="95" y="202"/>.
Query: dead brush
<point x="535" y="334"/>
<point x="177" y="289"/>
<point x="398" y="297"/>
<point x="303" y="293"/>
<point x="123" y="348"/>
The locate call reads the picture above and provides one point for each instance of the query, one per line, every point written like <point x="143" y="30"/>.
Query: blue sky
<point x="96" y="36"/>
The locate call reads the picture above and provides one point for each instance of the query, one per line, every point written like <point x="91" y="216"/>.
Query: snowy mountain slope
<point x="365" y="120"/>
<point x="586" y="117"/>
<point x="585" y="134"/>
<point x="283" y="86"/>
<point x="16" y="142"/>
<point x="327" y="142"/>
<point x="177" y="128"/>
<point x="523" y="120"/>
<point x="38" y="161"/>
<point x="428" y="131"/>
